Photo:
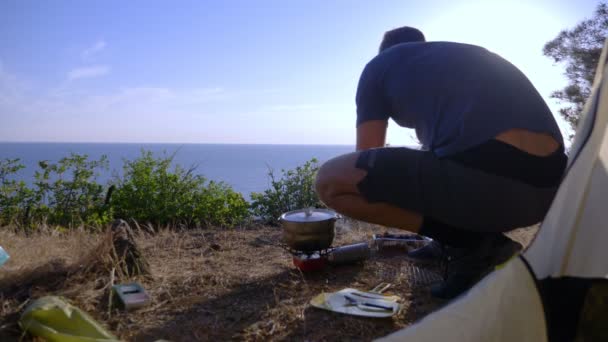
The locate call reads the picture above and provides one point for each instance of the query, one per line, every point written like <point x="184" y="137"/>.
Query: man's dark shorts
<point x="493" y="187"/>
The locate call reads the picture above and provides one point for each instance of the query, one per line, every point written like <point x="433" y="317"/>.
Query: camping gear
<point x="399" y="241"/>
<point x="548" y="293"/>
<point x="54" y="320"/>
<point x="3" y="256"/>
<point x="308" y="234"/>
<point x="365" y="304"/>
<point x="359" y="303"/>
<point x="316" y="260"/>
<point x="131" y="296"/>
<point x="308" y="229"/>
<point x="309" y="262"/>
<point x="349" y="253"/>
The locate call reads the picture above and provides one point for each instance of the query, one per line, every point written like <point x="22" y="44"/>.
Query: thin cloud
<point x="88" y="72"/>
<point x="94" y="49"/>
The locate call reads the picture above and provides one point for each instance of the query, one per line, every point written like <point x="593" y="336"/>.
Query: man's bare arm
<point x="371" y="134"/>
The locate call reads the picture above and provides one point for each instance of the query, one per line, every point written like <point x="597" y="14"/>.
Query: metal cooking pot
<point x="309" y="229"/>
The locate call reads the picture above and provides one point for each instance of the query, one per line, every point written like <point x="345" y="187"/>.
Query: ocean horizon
<point x="244" y="167"/>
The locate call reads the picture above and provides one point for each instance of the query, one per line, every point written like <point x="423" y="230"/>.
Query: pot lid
<point x="309" y="215"/>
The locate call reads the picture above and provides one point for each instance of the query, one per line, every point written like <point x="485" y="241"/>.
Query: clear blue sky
<point x="279" y="72"/>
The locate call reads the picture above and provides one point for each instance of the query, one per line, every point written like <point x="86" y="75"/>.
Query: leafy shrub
<point x="218" y="205"/>
<point x="64" y="193"/>
<point x="13" y="194"/>
<point x="150" y="192"/>
<point x="294" y="190"/>
<point x="67" y="194"/>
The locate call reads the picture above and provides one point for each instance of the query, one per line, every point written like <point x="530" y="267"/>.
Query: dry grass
<point x="209" y="285"/>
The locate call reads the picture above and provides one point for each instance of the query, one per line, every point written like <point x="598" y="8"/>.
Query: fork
<point x="352" y="301"/>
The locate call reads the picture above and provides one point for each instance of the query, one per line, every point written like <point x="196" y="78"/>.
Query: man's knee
<point x="338" y="176"/>
<point x="324" y="182"/>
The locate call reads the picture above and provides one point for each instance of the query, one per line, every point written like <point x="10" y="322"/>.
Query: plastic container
<point x="132" y="296"/>
<point x="349" y="253"/>
<point x="3" y="256"/>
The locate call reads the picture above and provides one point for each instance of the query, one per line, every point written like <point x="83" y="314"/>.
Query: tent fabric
<point x="572" y="237"/>
<point x="504" y="306"/>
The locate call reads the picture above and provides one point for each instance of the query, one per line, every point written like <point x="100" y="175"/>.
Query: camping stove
<point x="315" y="260"/>
<point x="311" y="260"/>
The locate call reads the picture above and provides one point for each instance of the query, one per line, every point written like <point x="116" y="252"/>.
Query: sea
<point x="244" y="167"/>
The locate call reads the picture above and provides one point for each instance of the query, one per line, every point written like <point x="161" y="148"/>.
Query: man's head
<point x="400" y="35"/>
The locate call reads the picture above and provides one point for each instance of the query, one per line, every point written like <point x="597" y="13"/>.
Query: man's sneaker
<point x="464" y="267"/>
<point x="432" y="251"/>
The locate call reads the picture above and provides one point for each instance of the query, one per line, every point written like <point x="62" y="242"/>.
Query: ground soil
<point x="213" y="284"/>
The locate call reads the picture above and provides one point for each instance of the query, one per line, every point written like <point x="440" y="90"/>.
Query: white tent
<point x="539" y="295"/>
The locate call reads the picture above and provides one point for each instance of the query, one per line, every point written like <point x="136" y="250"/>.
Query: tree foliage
<point x="69" y="189"/>
<point x="13" y="194"/>
<point x="579" y="50"/>
<point x="153" y="191"/>
<point x="294" y="190"/>
<point x="64" y="193"/>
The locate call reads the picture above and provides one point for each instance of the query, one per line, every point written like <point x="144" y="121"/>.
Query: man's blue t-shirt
<point x="454" y="95"/>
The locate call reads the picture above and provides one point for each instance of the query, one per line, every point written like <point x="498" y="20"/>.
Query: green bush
<point x="67" y="194"/>
<point x="13" y="194"/>
<point x="64" y="193"/>
<point x="294" y="190"/>
<point x="149" y="191"/>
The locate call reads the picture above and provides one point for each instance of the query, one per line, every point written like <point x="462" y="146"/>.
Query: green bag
<point x="57" y="321"/>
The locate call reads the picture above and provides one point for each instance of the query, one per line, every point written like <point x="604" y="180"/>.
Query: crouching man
<point x="491" y="160"/>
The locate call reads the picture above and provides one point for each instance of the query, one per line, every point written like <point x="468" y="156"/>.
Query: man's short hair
<point x="400" y="35"/>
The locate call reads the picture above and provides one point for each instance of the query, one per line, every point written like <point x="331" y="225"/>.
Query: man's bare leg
<point x="336" y="186"/>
